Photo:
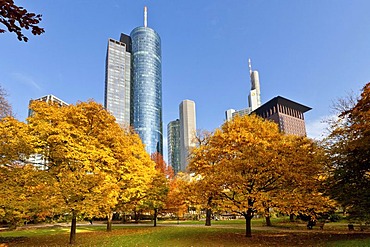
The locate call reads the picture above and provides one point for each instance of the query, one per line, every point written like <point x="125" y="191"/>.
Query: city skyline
<point x="308" y="54"/>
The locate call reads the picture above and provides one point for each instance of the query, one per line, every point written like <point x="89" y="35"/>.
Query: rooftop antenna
<point x="250" y="66"/>
<point x="145" y="16"/>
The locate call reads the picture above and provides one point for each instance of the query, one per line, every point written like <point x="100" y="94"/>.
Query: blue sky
<point x="310" y="51"/>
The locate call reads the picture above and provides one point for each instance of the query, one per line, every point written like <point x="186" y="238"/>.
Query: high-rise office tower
<point x="118" y="79"/>
<point x="173" y="139"/>
<point x="147" y="86"/>
<point x="286" y="113"/>
<point x="254" y="97"/>
<point x="187" y="131"/>
<point x="134" y="84"/>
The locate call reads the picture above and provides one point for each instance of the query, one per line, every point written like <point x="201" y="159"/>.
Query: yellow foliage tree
<point x="177" y="200"/>
<point x="23" y="188"/>
<point x="250" y="162"/>
<point x="94" y="163"/>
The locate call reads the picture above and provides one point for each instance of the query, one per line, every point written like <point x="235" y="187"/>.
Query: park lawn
<point x="181" y="236"/>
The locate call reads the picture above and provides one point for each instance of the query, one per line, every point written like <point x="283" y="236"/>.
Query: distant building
<point x="229" y="114"/>
<point x="187" y="131"/>
<point x="173" y="139"/>
<point x="48" y="99"/>
<point x="286" y="113"/>
<point x="133" y="84"/>
<point x="254" y="97"/>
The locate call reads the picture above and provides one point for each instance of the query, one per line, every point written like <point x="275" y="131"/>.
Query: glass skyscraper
<point x="134" y="93"/>
<point x="147" y="87"/>
<point x="173" y="137"/>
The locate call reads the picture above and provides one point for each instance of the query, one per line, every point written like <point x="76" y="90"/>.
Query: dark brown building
<point x="286" y="113"/>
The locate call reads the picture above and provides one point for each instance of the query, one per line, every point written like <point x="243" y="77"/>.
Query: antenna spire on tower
<point x="250" y="66"/>
<point x="145" y="16"/>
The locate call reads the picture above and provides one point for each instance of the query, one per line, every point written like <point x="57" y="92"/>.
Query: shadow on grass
<point x="6" y="240"/>
<point x="186" y="236"/>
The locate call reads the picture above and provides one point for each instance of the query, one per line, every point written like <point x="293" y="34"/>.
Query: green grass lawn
<point x="222" y="233"/>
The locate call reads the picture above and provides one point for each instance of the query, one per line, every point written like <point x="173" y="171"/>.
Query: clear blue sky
<point x="310" y="51"/>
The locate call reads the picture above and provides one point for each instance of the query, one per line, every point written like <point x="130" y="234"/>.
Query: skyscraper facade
<point x="173" y="138"/>
<point x="147" y="87"/>
<point x="187" y="131"/>
<point x="254" y="98"/>
<point x="133" y="84"/>
<point x="118" y="79"/>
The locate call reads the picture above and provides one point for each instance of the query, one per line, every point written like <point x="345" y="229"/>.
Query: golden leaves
<point x="247" y="162"/>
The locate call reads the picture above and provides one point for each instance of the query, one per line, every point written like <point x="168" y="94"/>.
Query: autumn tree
<point x="26" y="195"/>
<point x="177" y="199"/>
<point x="17" y="18"/>
<point x="302" y="193"/>
<point x="23" y="188"/>
<point x="349" y="152"/>
<point x="5" y="107"/>
<point x="159" y="187"/>
<point x="204" y="192"/>
<point x="91" y="159"/>
<point x="131" y="175"/>
<point x="247" y="161"/>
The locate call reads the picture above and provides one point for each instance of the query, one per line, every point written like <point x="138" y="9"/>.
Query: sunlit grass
<point x="231" y="233"/>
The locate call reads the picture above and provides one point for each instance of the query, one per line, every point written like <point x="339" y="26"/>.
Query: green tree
<point x="17" y="18"/>
<point x="349" y="152"/>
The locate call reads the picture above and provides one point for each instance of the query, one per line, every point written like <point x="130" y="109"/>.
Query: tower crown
<point x="145" y="16"/>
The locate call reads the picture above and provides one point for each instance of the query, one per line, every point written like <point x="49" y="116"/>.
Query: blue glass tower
<point x="146" y="100"/>
<point x="134" y="84"/>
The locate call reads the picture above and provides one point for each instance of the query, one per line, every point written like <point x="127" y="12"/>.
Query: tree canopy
<point x="94" y="164"/>
<point x="251" y="163"/>
<point x="17" y="18"/>
<point x="349" y="152"/>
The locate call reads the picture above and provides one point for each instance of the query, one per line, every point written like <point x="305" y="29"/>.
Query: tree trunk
<point x="137" y="216"/>
<point x="72" y="237"/>
<point x="291" y="217"/>
<point x="13" y="225"/>
<point x="248" y="225"/>
<point x="248" y="218"/>
<point x="267" y="216"/>
<point x="155" y="217"/>
<point x="208" y="216"/>
<point x="109" y="222"/>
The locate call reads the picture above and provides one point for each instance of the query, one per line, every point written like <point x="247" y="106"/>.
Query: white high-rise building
<point x="118" y="79"/>
<point x="254" y="97"/>
<point x="187" y="131"/>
